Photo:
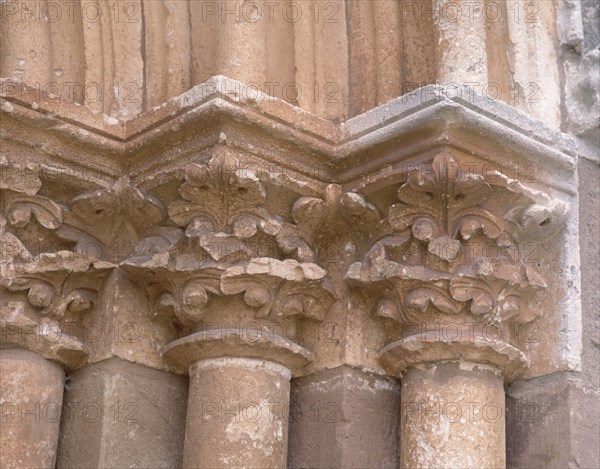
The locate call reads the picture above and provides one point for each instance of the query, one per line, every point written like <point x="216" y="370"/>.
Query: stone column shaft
<point x="452" y="416"/>
<point x="237" y="414"/>
<point x="461" y="42"/>
<point x="31" y="394"/>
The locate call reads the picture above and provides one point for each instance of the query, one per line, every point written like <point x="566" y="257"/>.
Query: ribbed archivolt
<point x="335" y="58"/>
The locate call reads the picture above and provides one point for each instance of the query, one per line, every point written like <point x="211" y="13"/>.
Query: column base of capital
<point x="184" y="352"/>
<point x="430" y="348"/>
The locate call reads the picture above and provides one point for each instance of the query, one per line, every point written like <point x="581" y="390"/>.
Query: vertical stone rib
<point x="461" y="42"/>
<point x="167" y="36"/>
<point x="25" y="39"/>
<point x="241" y="46"/>
<point x="279" y="72"/>
<point x="534" y="68"/>
<point x="177" y="32"/>
<point x="67" y="54"/>
<point x="498" y="51"/>
<point x="417" y="46"/>
<point x="97" y="69"/>
<point x="321" y="49"/>
<point x="387" y="45"/>
<point x="305" y="59"/>
<point x="157" y="78"/>
<point x="127" y="58"/>
<point x="204" y="37"/>
<point x="363" y="52"/>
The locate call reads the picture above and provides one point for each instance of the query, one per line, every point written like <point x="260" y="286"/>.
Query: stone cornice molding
<point x="401" y="129"/>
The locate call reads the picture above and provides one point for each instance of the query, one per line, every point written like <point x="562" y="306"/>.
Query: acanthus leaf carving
<point x="337" y="218"/>
<point x="111" y="223"/>
<point x="442" y="207"/>
<point x="222" y="211"/>
<point x="441" y="211"/>
<point x="57" y="283"/>
<point x="404" y="292"/>
<point x="45" y="211"/>
<point x="117" y="222"/>
<point x="178" y="291"/>
<point x="280" y="288"/>
<point x="498" y="291"/>
<point x="58" y="288"/>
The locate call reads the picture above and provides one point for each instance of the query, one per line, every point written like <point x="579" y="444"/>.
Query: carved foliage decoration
<point x="232" y="246"/>
<point x="59" y="286"/>
<point x="116" y="220"/>
<point x="442" y="210"/>
<point x="337" y="215"/>
<point x="221" y="209"/>
<point x="177" y="293"/>
<point x="281" y="288"/>
<point x="57" y="283"/>
<point x="441" y="206"/>
<point x="112" y="223"/>
<point x="270" y="287"/>
<point x="498" y="291"/>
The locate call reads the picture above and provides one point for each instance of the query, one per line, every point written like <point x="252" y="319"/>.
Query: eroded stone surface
<point x="553" y="421"/>
<point x="118" y="414"/>
<point x="237" y="414"/>
<point x="344" y="418"/>
<point x="31" y="402"/>
<point x="452" y="416"/>
<point x="216" y="222"/>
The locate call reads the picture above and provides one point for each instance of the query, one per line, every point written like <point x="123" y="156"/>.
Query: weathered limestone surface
<point x="31" y="402"/>
<point x="237" y="414"/>
<point x="344" y="418"/>
<point x="452" y="416"/>
<point x="334" y="58"/>
<point x="553" y="421"/>
<point x="372" y="198"/>
<point x="589" y="222"/>
<point x="119" y="414"/>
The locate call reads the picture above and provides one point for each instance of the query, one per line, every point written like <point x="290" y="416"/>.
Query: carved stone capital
<point x="111" y="223"/>
<point x="222" y="212"/>
<point x="236" y="270"/>
<point x="450" y="252"/>
<point x="214" y="304"/>
<point x="42" y="297"/>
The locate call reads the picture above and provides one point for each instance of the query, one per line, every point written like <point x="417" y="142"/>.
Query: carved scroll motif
<point x="426" y="261"/>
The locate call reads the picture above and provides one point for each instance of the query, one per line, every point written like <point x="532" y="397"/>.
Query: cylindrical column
<point x="452" y="416"/>
<point x="31" y="394"/>
<point x="237" y="414"/>
<point x="239" y="396"/>
<point x="242" y="38"/>
<point x="461" y="51"/>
